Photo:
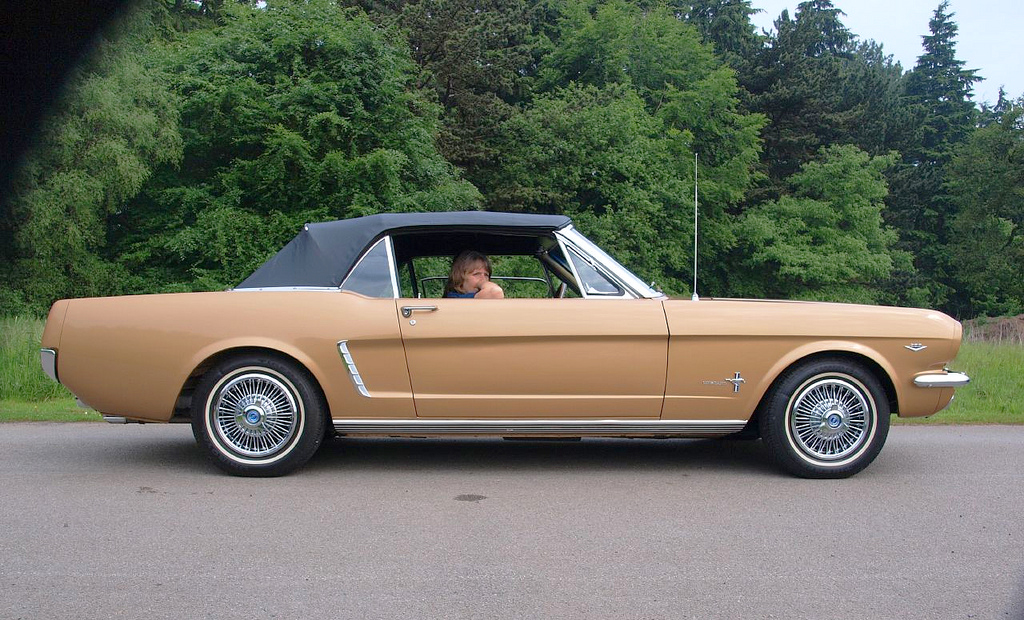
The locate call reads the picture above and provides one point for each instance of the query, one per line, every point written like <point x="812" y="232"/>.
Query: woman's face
<point x="476" y="276"/>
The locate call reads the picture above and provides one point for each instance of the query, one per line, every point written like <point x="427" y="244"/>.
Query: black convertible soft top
<point x="323" y="253"/>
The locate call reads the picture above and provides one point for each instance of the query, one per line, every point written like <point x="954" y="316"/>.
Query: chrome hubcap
<point x="251" y="417"/>
<point x="830" y="418"/>
<point x="834" y="422"/>
<point x="255" y="414"/>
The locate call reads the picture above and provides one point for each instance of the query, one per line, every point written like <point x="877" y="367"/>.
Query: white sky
<point x="990" y="37"/>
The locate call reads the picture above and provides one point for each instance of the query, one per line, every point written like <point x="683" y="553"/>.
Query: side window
<point x="373" y="275"/>
<point x="520" y="276"/>
<point x="592" y="281"/>
<point x="431" y="274"/>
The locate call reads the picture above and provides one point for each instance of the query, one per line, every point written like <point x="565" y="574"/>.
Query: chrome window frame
<point x="623" y="293"/>
<point x="321" y="289"/>
<point x="392" y="269"/>
<point x="633" y="287"/>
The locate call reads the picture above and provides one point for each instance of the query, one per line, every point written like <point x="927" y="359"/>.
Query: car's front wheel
<point x="258" y="416"/>
<point x="828" y="418"/>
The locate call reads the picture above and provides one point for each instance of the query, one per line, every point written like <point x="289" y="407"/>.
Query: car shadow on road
<point x="178" y="453"/>
<point x="493" y="454"/>
<point x="346" y="454"/>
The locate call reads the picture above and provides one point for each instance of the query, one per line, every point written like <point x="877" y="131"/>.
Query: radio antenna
<point x="695" y="296"/>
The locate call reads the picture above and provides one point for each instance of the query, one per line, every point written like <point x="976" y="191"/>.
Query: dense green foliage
<point x="621" y="104"/>
<point x="289" y="114"/>
<point x="197" y="137"/>
<point x="826" y="239"/>
<point x="986" y="184"/>
<point x="937" y="91"/>
<point x="115" y="125"/>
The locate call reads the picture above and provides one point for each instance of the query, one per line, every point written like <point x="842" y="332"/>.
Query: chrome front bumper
<point x="942" y="380"/>
<point x="48" y="358"/>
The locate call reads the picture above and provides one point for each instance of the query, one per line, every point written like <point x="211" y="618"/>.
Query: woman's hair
<point x="461" y="266"/>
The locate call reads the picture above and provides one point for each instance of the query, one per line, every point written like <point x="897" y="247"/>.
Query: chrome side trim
<point x="683" y="428"/>
<point x="48" y="359"/>
<point x="261" y="289"/>
<point x="353" y="372"/>
<point x="942" y="380"/>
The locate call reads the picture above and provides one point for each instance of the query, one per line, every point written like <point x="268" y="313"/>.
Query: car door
<point x="535" y="358"/>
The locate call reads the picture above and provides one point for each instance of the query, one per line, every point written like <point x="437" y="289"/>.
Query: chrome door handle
<point x="408" y="310"/>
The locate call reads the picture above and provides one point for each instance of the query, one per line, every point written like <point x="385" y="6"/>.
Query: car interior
<point x="524" y="265"/>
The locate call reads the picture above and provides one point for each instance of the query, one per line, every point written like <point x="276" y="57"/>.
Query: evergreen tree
<point x="472" y="54"/>
<point x="993" y="113"/>
<point x="939" y="91"/>
<point x="726" y="25"/>
<point x="985" y="179"/>
<point x="798" y="83"/>
<point x="474" y="58"/>
<point x="880" y="118"/>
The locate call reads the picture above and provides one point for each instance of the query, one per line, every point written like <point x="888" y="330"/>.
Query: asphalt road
<point x="101" y="521"/>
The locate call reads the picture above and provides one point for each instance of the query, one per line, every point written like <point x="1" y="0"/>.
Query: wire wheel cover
<point x="830" y="418"/>
<point x="255" y="414"/>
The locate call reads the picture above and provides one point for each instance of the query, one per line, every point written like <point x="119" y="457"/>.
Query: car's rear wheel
<point x="828" y="418"/>
<point x="258" y="416"/>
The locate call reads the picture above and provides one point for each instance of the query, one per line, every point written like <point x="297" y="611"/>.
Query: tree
<point x="292" y="112"/>
<point x="939" y="91"/>
<point x="622" y="102"/>
<point x="473" y="57"/>
<point x="986" y="183"/>
<point x="726" y="25"/>
<point x="993" y="113"/>
<point x="824" y="241"/>
<point x="798" y="83"/>
<point x="597" y="155"/>
<point x="880" y="117"/>
<point x="943" y="88"/>
<point x="115" y="124"/>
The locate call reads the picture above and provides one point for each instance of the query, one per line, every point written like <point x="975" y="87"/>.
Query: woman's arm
<point x="490" y="290"/>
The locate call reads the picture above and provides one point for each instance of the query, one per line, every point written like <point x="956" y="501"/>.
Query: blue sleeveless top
<point x="461" y="295"/>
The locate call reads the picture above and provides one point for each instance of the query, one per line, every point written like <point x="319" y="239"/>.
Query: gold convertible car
<point x="345" y="331"/>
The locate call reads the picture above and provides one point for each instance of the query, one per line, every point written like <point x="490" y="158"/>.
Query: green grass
<point x="26" y="393"/>
<point x="21" y="376"/>
<point x="60" y="410"/>
<point x="993" y="397"/>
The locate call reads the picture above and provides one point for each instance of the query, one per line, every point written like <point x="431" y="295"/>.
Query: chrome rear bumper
<point x="48" y="359"/>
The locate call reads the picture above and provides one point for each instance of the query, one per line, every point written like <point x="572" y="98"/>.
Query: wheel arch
<point x="183" y="404"/>
<point x="870" y="364"/>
